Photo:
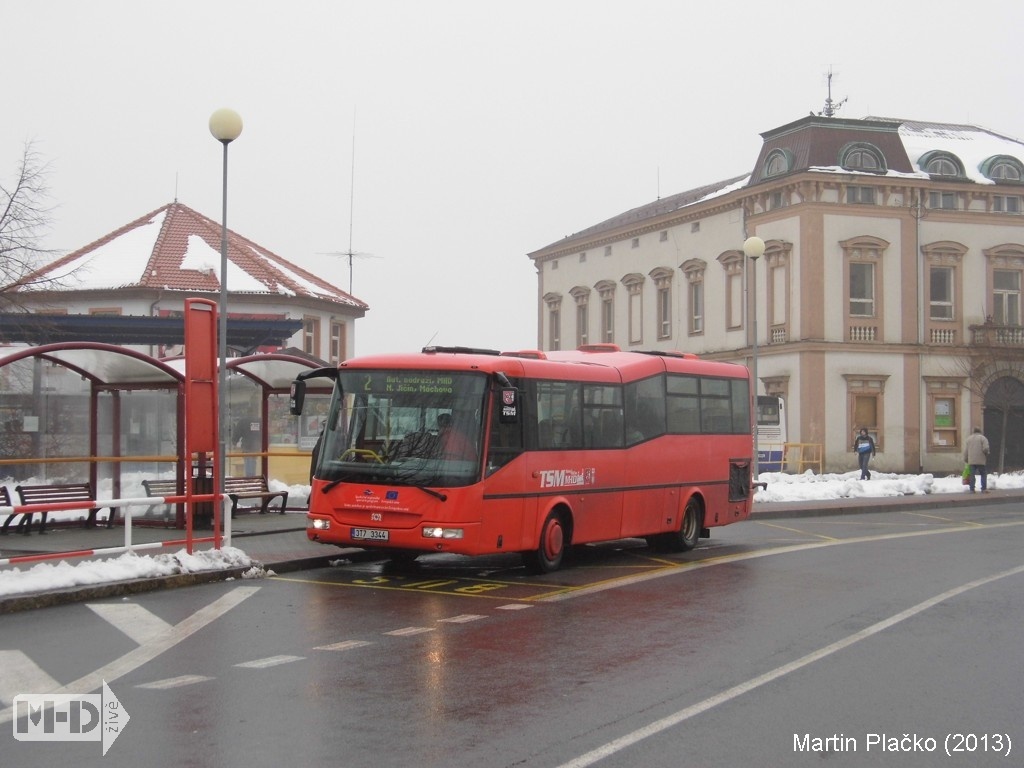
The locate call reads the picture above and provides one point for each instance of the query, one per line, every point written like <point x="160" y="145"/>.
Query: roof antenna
<point x="831" y="107"/>
<point x="351" y="203"/>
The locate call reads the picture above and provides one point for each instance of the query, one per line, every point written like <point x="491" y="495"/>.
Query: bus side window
<point x="545" y="435"/>
<point x="612" y="433"/>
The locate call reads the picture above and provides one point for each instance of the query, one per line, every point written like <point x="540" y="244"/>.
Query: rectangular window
<point x="860" y="195"/>
<point x="663" y="237"/>
<point x="945" y="200"/>
<point x="734" y="300"/>
<point x="696" y="307"/>
<point x="607" y="320"/>
<point x="1006" y="297"/>
<point x="554" y="329"/>
<point x="941" y="286"/>
<point x="582" y="325"/>
<point x="311" y="335"/>
<point x="337" y="342"/>
<point x="636" y="317"/>
<point x="1006" y="204"/>
<point x="635" y="243"/>
<point x="664" y="313"/>
<point x="862" y="289"/>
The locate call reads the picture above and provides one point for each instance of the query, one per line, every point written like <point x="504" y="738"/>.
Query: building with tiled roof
<point x="148" y="268"/>
<point x="889" y="294"/>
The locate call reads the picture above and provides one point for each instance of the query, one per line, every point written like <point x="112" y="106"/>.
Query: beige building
<point x="888" y="294"/>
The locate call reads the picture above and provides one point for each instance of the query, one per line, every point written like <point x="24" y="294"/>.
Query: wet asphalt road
<point x="776" y="643"/>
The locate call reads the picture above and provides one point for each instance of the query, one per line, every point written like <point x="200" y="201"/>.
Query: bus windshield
<point x="404" y="427"/>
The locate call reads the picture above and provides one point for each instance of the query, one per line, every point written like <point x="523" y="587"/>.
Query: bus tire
<point x="688" y="535"/>
<point x="550" y="552"/>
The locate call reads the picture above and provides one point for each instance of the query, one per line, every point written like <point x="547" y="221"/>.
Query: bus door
<point x="502" y="513"/>
<point x="650" y="500"/>
<point x="576" y="456"/>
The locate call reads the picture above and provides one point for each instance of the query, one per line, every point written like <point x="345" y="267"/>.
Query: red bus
<point x="475" y="452"/>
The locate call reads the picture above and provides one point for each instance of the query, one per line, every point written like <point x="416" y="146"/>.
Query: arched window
<point x="861" y="156"/>
<point x="941" y="164"/>
<point x="1003" y="168"/>
<point x="778" y="162"/>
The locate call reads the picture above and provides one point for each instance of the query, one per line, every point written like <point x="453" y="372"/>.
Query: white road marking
<point x="682" y="715"/>
<point x="514" y="607"/>
<point x="22" y="675"/>
<point x="409" y="631"/>
<point x="174" y="682"/>
<point x="270" y="661"/>
<point x="344" y="645"/>
<point x="145" y="653"/>
<point x="132" y="619"/>
<point x="463" y="619"/>
<point x="660" y="573"/>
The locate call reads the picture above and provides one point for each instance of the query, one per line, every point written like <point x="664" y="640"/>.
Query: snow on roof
<point x="114" y="263"/>
<point x="176" y="248"/>
<point x="971" y="144"/>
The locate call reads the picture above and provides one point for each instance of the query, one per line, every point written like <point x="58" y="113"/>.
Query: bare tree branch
<point x="24" y="217"/>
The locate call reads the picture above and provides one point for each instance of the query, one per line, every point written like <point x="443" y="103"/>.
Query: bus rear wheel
<point x="551" y="549"/>
<point x="688" y="535"/>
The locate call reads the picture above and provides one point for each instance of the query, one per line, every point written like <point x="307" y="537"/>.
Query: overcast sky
<point x="482" y="131"/>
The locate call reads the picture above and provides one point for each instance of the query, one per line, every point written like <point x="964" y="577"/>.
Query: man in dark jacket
<point x="865" y="448"/>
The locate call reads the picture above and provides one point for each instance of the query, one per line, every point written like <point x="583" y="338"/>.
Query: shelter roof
<point x="242" y="333"/>
<point x="174" y="248"/>
<point x="106" y="365"/>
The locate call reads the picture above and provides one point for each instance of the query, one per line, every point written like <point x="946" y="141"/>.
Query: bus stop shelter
<point x="81" y="411"/>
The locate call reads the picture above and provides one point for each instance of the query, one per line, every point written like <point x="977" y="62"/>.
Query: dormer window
<point x="1003" y="168"/>
<point x="862" y="157"/>
<point x="777" y="163"/>
<point x="943" y="164"/>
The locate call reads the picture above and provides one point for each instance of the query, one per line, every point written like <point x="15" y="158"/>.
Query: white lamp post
<point x="226" y="126"/>
<point x="753" y="249"/>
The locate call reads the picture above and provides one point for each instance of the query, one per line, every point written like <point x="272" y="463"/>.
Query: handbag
<point x="968" y="476"/>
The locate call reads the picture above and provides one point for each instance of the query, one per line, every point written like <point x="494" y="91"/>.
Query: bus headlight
<point x="442" y="533"/>
<point x="319" y="524"/>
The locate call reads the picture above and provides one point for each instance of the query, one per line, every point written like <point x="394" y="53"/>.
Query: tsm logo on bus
<point x="567" y="478"/>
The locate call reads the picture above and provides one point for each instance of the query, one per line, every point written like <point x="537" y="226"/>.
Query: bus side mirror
<point x="509" y="405"/>
<point x="297" y="397"/>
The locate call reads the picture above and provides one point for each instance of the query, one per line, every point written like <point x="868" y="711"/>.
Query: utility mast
<point x="351" y="203"/>
<point x="831" y="107"/>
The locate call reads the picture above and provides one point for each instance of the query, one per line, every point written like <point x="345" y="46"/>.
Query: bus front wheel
<point x="551" y="549"/>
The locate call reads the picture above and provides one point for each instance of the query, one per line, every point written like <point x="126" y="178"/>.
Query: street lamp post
<point x="753" y="249"/>
<point x="226" y="126"/>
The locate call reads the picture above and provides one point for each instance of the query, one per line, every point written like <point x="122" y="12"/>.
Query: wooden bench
<point x="5" y="501"/>
<point x="55" y="494"/>
<point x="236" y="488"/>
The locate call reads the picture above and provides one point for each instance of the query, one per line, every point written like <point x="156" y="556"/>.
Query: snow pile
<point x="47" y="577"/>
<point x="812" y="487"/>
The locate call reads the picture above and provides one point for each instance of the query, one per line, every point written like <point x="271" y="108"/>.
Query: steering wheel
<point x="364" y="452"/>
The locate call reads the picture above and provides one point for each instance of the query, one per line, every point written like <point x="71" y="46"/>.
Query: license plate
<point x="369" y="534"/>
